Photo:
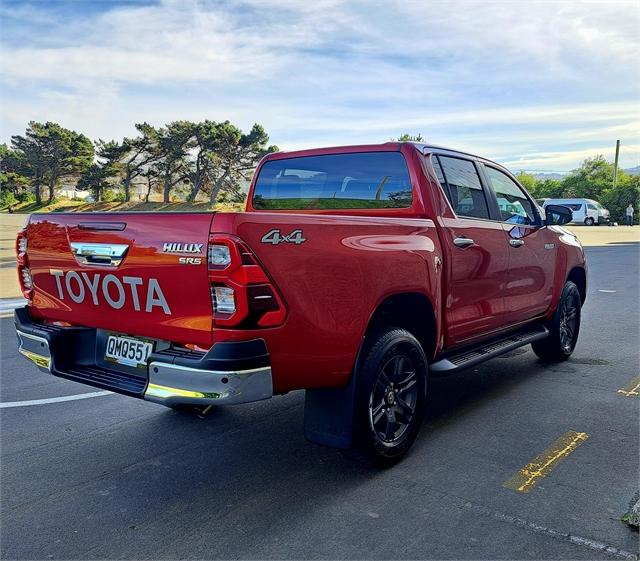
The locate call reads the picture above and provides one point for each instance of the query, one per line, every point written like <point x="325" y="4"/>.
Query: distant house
<point x="70" y="193"/>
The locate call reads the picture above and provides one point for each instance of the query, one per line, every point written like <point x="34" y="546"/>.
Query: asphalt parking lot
<point x="109" y="477"/>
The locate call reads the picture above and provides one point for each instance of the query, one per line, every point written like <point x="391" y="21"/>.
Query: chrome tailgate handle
<point x="516" y="243"/>
<point x="110" y="255"/>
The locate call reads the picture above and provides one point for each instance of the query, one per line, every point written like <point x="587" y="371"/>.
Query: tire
<point x="564" y="328"/>
<point x="389" y="397"/>
<point x="588" y="221"/>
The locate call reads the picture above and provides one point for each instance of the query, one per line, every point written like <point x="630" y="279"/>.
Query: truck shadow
<point x="451" y="396"/>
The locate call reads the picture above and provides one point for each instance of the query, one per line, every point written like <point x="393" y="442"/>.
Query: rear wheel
<point x="390" y="396"/>
<point x="589" y="221"/>
<point x="564" y="327"/>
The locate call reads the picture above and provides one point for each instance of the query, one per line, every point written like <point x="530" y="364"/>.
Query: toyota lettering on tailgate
<point x="111" y="289"/>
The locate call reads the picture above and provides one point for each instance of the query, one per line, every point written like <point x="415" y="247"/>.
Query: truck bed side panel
<point x="332" y="283"/>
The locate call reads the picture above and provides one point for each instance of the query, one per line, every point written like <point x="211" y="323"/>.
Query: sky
<point x="536" y="86"/>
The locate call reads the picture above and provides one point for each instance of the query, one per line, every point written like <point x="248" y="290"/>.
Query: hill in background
<point x="542" y="175"/>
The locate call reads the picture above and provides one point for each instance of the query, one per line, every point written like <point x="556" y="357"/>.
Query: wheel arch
<point x="328" y="412"/>
<point x="412" y="311"/>
<point x="578" y="275"/>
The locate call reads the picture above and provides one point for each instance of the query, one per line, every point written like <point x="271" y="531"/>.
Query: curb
<point x="633" y="516"/>
<point x="10" y="304"/>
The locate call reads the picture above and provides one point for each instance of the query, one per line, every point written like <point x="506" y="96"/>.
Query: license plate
<point x="128" y="350"/>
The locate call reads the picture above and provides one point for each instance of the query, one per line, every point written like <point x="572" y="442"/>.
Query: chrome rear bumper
<point x="170" y="385"/>
<point x="230" y="373"/>
<point x="36" y="349"/>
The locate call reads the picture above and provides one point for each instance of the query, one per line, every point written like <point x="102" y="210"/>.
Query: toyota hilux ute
<point x="354" y="274"/>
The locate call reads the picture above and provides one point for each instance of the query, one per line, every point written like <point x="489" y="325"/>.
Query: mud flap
<point x="328" y="415"/>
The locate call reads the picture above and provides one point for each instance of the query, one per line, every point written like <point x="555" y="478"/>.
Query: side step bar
<point x="468" y="358"/>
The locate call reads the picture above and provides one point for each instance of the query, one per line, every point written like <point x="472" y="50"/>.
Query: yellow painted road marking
<point x="541" y="465"/>
<point x="632" y="389"/>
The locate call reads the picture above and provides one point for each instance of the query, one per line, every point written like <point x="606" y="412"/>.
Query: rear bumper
<point x="229" y="373"/>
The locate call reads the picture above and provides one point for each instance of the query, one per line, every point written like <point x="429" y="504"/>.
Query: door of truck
<point x="475" y="248"/>
<point x="531" y="249"/>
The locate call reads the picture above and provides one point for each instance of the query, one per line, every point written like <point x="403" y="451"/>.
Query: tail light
<point x="242" y="294"/>
<point x="24" y="273"/>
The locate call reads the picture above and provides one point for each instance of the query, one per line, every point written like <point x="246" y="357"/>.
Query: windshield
<point x="334" y="181"/>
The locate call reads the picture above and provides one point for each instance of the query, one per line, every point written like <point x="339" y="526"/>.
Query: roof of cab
<point x="391" y="146"/>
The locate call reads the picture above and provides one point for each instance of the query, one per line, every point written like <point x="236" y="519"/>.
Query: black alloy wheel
<point x="390" y="395"/>
<point x="563" y="328"/>
<point x="393" y="399"/>
<point x="569" y="322"/>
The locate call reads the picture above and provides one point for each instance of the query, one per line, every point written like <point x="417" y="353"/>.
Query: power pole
<point x="615" y="165"/>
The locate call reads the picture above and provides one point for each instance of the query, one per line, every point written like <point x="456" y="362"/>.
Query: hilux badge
<point x="176" y="247"/>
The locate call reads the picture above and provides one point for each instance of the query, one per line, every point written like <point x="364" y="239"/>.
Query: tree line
<point x="209" y="158"/>
<point x="593" y="179"/>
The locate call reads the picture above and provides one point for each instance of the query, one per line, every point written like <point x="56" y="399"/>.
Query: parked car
<point x="354" y="274"/>
<point x="585" y="211"/>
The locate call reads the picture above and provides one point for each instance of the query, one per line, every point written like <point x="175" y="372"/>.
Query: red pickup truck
<point x="354" y="274"/>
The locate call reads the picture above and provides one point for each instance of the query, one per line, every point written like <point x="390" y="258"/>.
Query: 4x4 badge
<point x="275" y="237"/>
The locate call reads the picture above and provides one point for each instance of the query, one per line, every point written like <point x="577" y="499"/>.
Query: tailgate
<point x="134" y="273"/>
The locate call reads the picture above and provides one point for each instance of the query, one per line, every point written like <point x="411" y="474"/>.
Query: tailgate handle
<point x="102" y="226"/>
<point x="99" y="253"/>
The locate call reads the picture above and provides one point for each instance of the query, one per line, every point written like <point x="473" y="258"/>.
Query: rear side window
<point x="464" y="189"/>
<point x="334" y="181"/>
<point x="514" y="205"/>
<point x="439" y="174"/>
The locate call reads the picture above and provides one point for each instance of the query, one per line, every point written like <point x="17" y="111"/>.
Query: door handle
<point x="516" y="243"/>
<point x="461" y="241"/>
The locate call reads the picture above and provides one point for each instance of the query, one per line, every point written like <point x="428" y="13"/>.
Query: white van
<point x="585" y="211"/>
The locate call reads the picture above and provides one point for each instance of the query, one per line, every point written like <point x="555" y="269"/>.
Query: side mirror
<point x="556" y="215"/>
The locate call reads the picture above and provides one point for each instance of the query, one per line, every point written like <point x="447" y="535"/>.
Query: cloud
<point x="551" y="161"/>
<point x="497" y="76"/>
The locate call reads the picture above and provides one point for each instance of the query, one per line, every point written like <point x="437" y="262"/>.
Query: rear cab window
<point x="360" y="180"/>
<point x="462" y="186"/>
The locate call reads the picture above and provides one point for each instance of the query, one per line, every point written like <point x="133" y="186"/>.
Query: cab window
<point x="372" y="180"/>
<point x="515" y="207"/>
<point x="463" y="187"/>
<point x="438" y="170"/>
